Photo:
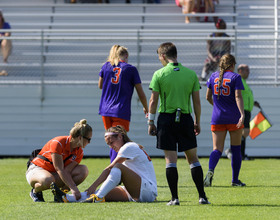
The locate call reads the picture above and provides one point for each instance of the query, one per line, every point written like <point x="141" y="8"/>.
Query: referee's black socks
<point x="197" y="176"/>
<point x="172" y="179"/>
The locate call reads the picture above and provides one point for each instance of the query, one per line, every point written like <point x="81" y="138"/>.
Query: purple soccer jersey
<point x="5" y="26"/>
<point x="225" y="110"/>
<point x="118" y="87"/>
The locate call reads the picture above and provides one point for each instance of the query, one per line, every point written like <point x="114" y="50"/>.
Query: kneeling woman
<point x="132" y="166"/>
<point x="58" y="162"/>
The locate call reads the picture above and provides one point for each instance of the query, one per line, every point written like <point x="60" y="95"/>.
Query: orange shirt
<point x="59" y="145"/>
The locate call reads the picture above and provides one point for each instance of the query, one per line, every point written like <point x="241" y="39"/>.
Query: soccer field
<point x="260" y="199"/>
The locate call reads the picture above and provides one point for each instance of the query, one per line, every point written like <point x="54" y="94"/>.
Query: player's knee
<point x="118" y="165"/>
<point x="46" y="181"/>
<point x="83" y="170"/>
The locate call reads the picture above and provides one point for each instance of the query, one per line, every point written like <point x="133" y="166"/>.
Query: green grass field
<point x="260" y="199"/>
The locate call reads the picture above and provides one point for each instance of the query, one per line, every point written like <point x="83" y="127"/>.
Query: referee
<point x="176" y="85"/>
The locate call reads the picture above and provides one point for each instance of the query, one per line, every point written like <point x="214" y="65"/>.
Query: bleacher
<point x="71" y="62"/>
<point x="62" y="58"/>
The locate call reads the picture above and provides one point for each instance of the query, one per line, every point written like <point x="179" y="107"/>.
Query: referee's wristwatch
<point x="150" y="122"/>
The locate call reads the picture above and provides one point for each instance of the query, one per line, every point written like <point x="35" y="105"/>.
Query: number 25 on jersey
<point x="225" y="90"/>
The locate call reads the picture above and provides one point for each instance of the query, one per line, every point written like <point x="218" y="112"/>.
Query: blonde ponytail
<point x="115" y="54"/>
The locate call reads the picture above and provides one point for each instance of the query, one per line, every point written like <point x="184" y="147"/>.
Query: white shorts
<point x="148" y="192"/>
<point x="31" y="170"/>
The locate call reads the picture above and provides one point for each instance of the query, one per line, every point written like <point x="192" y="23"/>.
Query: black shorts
<point x="247" y="119"/>
<point x="171" y="133"/>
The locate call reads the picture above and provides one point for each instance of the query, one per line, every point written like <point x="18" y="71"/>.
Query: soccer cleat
<point x="37" y="197"/>
<point x="208" y="179"/>
<point x="228" y="153"/>
<point x="239" y="183"/>
<point x="203" y="201"/>
<point x="93" y="199"/>
<point x="60" y="195"/>
<point x="65" y="191"/>
<point x="173" y="202"/>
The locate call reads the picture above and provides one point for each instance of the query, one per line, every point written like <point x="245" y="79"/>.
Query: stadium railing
<point x="72" y="56"/>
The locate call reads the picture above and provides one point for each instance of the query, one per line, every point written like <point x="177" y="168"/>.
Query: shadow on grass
<point x="190" y="203"/>
<point x="229" y="186"/>
<point x="243" y="187"/>
<point x="246" y="205"/>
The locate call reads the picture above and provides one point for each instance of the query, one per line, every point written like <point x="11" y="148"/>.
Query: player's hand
<point x="152" y="130"/>
<point x="214" y="59"/>
<point x="145" y="112"/>
<point x="76" y="193"/>
<point x="240" y="122"/>
<point x="257" y="104"/>
<point x="197" y="129"/>
<point x="91" y="190"/>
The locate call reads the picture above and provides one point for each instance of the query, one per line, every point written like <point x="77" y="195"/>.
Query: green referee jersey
<point x="175" y="84"/>
<point x="248" y="98"/>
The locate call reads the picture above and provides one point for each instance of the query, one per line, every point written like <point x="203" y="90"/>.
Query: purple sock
<point x="214" y="159"/>
<point x="113" y="154"/>
<point x="236" y="162"/>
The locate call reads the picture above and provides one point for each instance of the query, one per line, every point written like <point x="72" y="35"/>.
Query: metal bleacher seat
<point x="68" y="57"/>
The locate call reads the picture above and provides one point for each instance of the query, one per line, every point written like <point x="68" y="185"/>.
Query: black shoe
<point x="239" y="183"/>
<point x="203" y="201"/>
<point x="246" y="157"/>
<point x="60" y="196"/>
<point x="37" y="197"/>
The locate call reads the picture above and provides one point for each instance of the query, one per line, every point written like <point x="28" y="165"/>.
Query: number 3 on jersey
<point x="116" y="79"/>
<point x="225" y="90"/>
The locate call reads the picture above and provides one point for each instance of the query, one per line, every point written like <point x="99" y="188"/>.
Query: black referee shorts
<point x="247" y="119"/>
<point x="171" y="133"/>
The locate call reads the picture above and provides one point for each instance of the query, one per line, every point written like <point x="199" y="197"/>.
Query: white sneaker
<point x="208" y="179"/>
<point x="228" y="153"/>
<point x="173" y="202"/>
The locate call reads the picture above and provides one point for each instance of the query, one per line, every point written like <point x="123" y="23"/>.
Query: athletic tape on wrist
<point x="151" y="116"/>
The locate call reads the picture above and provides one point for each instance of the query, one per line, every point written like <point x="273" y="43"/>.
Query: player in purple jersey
<point x="224" y="93"/>
<point x="117" y="80"/>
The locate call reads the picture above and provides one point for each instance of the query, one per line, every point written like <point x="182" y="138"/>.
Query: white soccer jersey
<point x="139" y="161"/>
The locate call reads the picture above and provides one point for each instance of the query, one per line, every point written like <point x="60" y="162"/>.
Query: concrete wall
<point x="27" y="123"/>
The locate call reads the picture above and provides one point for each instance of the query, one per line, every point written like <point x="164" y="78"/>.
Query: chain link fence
<point x="70" y="56"/>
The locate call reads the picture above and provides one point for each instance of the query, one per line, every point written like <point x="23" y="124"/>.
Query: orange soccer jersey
<point x="59" y="145"/>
